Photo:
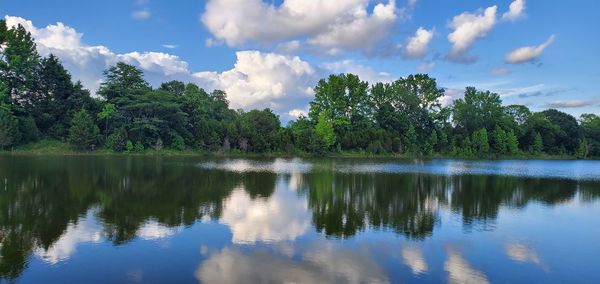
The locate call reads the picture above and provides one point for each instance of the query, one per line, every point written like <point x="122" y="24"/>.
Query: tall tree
<point x="477" y="110"/>
<point x="83" y="134"/>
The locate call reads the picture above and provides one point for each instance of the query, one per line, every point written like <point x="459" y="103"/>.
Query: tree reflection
<point x="41" y="197"/>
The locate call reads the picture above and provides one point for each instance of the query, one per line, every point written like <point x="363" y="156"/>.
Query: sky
<point x="271" y="53"/>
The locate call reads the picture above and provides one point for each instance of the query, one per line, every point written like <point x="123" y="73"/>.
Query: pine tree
<point x="512" y="144"/>
<point x="499" y="141"/>
<point x="538" y="144"/>
<point x="9" y="128"/>
<point x="83" y="133"/>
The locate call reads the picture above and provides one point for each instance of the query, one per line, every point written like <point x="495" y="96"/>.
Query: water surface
<point x="190" y="220"/>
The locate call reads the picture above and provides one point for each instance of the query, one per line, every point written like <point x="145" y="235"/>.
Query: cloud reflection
<point x="282" y="216"/>
<point x="85" y="230"/>
<point x="322" y="265"/>
<point x="461" y="271"/>
<point x="413" y="257"/>
<point x="522" y="253"/>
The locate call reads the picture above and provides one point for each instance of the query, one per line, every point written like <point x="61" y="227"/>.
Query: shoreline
<point x="56" y="148"/>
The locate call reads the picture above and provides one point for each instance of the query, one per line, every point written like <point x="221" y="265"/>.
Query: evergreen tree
<point x="512" y="144"/>
<point x="499" y="141"/>
<point x="83" y="133"/>
<point x="9" y="128"/>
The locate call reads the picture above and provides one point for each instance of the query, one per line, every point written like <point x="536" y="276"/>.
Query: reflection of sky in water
<point x="272" y="238"/>
<point x="282" y="216"/>
<point x="578" y="170"/>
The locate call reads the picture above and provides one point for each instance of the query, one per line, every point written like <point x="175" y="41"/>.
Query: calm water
<point x="189" y="220"/>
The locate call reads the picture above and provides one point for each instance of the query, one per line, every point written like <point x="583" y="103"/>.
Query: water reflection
<point x="288" y="217"/>
<point x="461" y="271"/>
<point x="321" y="263"/>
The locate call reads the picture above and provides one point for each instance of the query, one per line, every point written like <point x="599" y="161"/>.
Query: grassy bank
<point x="54" y="147"/>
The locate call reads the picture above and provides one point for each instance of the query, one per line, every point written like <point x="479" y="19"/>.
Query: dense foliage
<point x="38" y="99"/>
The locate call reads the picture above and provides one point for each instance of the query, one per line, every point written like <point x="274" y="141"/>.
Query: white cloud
<point x="528" y="53"/>
<point x="468" y="27"/>
<point x="139" y="15"/>
<point x="344" y="24"/>
<point x="257" y="79"/>
<point x="169" y="46"/>
<point x="364" y="72"/>
<point x="263" y="80"/>
<point x="296" y="113"/>
<point x="416" y="46"/>
<point x="516" y="10"/>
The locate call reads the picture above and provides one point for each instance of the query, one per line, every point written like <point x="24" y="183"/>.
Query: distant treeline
<point x="39" y="100"/>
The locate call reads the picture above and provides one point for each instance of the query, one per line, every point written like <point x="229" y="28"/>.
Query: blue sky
<point x="271" y="53"/>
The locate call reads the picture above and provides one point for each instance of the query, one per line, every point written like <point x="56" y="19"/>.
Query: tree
<point x="83" y="133"/>
<point x="480" y="142"/>
<point x="107" y="112"/>
<point x="590" y="124"/>
<point x="499" y="141"/>
<point x="568" y="134"/>
<point x="538" y="144"/>
<point x="512" y="144"/>
<point x="477" y="110"/>
<point x="324" y="130"/>
<point x="19" y="64"/>
<point x="122" y="81"/>
<point x="410" y="139"/>
<point x="9" y="128"/>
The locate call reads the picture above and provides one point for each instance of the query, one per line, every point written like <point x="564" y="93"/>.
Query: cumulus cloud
<point x="263" y="80"/>
<point x="528" y="53"/>
<point x="296" y="113"/>
<point x="516" y="10"/>
<point x="142" y="14"/>
<point x="256" y="80"/>
<point x="416" y="47"/>
<point x="335" y="25"/>
<point x="364" y="72"/>
<point x="467" y="28"/>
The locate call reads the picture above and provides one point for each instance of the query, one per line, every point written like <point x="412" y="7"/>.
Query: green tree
<point x="477" y="110"/>
<point x="512" y="143"/>
<point x="9" y="128"/>
<point x="107" y="113"/>
<point x="84" y="132"/>
<point x="499" y="141"/>
<point x="538" y="144"/>
<point x="481" y="143"/>
<point x="324" y="130"/>
<point x="410" y="139"/>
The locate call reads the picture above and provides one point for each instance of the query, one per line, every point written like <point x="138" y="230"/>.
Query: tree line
<point x="39" y="100"/>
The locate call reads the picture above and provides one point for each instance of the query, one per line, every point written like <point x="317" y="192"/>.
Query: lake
<point x="88" y="219"/>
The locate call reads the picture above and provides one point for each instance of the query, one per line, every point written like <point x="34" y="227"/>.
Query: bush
<point x="117" y="141"/>
<point x="139" y="147"/>
<point x="84" y="132"/>
<point x="178" y="143"/>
